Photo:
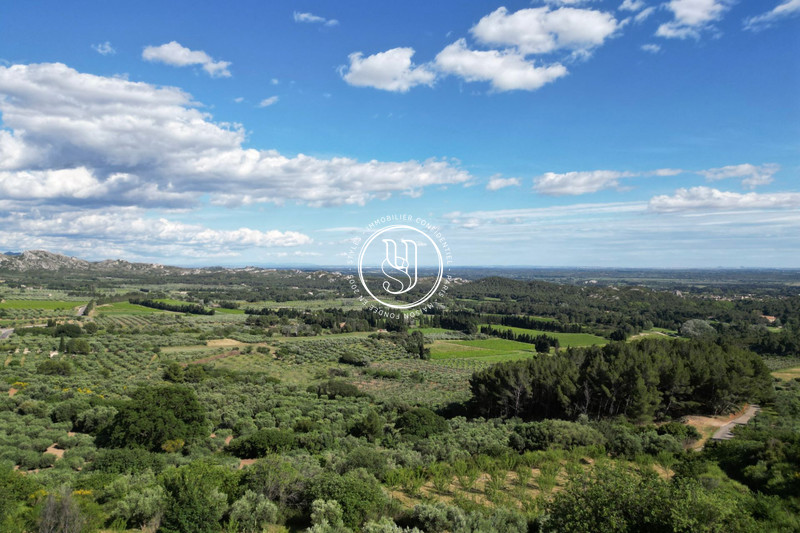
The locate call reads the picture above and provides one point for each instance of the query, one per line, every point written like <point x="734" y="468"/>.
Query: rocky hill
<point x="31" y="260"/>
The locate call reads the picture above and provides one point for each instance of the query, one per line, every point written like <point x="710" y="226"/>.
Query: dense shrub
<point x="556" y="433"/>
<point x="357" y="491"/>
<point x="261" y="442"/>
<point x="155" y="415"/>
<point x="336" y="389"/>
<point x="421" y="422"/>
<point x="54" y="367"/>
<point x="126" y="461"/>
<point x="355" y="359"/>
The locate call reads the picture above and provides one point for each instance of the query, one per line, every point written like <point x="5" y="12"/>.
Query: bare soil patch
<point x="224" y="343"/>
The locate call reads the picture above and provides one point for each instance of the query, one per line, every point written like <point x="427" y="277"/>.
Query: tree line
<point x="642" y="381"/>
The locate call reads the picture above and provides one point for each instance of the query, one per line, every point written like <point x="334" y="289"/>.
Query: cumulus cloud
<point x="576" y="183"/>
<point x="391" y="70"/>
<point x="706" y="198"/>
<point x="497" y="183"/>
<point x="652" y="48"/>
<point x="266" y="102"/>
<point x="785" y="9"/>
<point x="173" y="53"/>
<point x="542" y="30"/>
<point x="690" y="17"/>
<point x="76" y="138"/>
<point x="752" y="175"/>
<point x="506" y="70"/>
<point x="104" y="49"/>
<point x="310" y="18"/>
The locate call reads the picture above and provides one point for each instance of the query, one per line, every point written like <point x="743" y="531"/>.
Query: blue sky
<point x="628" y="133"/>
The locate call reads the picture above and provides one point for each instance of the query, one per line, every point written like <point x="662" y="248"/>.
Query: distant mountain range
<point x="44" y="260"/>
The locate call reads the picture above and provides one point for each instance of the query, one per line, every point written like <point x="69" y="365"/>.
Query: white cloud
<point x="652" y="48"/>
<point x="541" y="30"/>
<point x="310" y="18"/>
<point x="706" y="198"/>
<point x="691" y="17"/>
<point x="75" y="138"/>
<point x="506" y="70"/>
<point x="266" y="102"/>
<point x="239" y="99"/>
<point x="785" y="9"/>
<point x="176" y="55"/>
<point x="102" y="233"/>
<point x="643" y="14"/>
<point x="631" y="5"/>
<point x="104" y="48"/>
<point x="567" y="2"/>
<point x="497" y="183"/>
<point x="575" y="183"/>
<point x="753" y="175"/>
<point x="391" y="70"/>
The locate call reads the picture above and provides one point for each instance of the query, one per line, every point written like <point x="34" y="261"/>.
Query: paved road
<point x="6" y="333"/>
<point x="725" y="432"/>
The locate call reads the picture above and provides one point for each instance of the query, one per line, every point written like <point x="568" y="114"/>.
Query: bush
<point x="262" y="442"/>
<point x="336" y="389"/>
<point x="556" y="433"/>
<point x="252" y="513"/>
<point x="79" y="346"/>
<point x="354" y="359"/>
<point x="155" y="415"/>
<point x="421" y="422"/>
<point x="195" y="502"/>
<point x="54" y="367"/>
<point x="683" y="433"/>
<point x="358" y="492"/>
<point x="370" y="459"/>
<point x="126" y="461"/>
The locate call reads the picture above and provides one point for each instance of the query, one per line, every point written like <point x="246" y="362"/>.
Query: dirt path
<point x="726" y="431"/>
<point x="6" y="333"/>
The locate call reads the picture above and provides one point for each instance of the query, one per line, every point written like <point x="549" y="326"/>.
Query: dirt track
<point x="726" y="431"/>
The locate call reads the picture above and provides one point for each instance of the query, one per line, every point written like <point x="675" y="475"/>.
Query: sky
<point x="624" y="133"/>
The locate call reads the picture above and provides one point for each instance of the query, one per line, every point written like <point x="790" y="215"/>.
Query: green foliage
<point x="639" y="380"/>
<point x="262" y="442"/>
<point x="194" y="502"/>
<point x="557" y="433"/>
<point x="252" y="513"/>
<point x="54" y="367"/>
<point x="155" y="415"/>
<point x="127" y="461"/>
<point x="765" y="454"/>
<point x="421" y="423"/>
<point x="78" y="346"/>
<point x="358" y="492"/>
<point x="173" y="372"/>
<point x="618" y="500"/>
<point x="369" y="426"/>
<point x="336" y="389"/>
<point x="354" y="359"/>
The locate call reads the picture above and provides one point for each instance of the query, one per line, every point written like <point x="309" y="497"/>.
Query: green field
<point x="488" y="350"/>
<point x="39" y="304"/>
<point x="564" y="339"/>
